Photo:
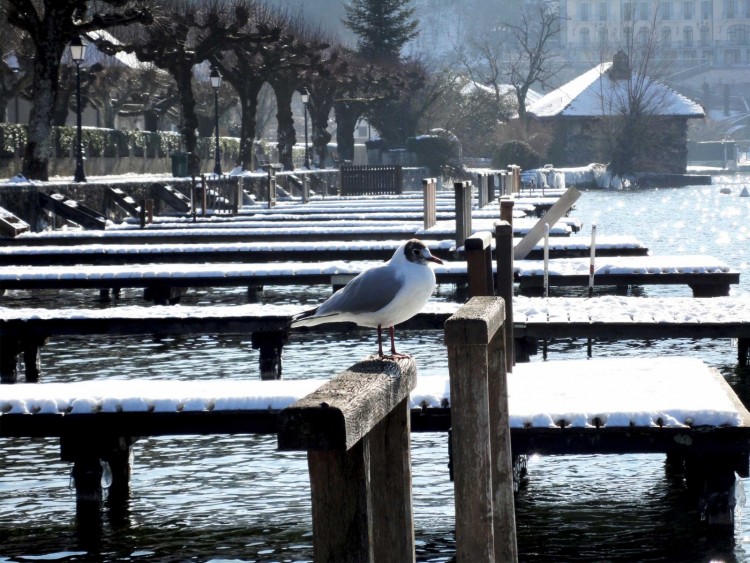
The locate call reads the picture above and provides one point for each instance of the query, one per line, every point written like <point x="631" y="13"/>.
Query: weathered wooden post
<point x="429" y="188"/>
<point x="355" y="429"/>
<point x="271" y="185"/>
<point x="491" y="195"/>
<point x="463" y="211"/>
<point x="305" y="188"/>
<point x="485" y="517"/>
<point x="204" y="195"/>
<point x="504" y="280"/>
<point x="478" y="250"/>
<point x="482" y="196"/>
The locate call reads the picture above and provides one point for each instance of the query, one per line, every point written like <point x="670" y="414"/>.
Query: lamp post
<point x="305" y="99"/>
<point x="77" y="54"/>
<point x="216" y="84"/>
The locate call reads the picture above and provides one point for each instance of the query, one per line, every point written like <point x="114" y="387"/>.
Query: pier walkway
<point x="24" y="330"/>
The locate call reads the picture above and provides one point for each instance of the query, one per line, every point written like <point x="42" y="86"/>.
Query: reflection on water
<point x="236" y="498"/>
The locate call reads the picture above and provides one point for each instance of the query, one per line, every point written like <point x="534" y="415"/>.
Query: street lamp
<point x="216" y="84"/>
<point x="77" y="54"/>
<point x="305" y="99"/>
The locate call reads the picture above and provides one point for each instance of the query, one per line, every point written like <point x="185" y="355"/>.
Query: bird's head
<point x="416" y="251"/>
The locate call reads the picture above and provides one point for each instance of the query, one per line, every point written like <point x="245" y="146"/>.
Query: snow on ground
<point x="670" y="392"/>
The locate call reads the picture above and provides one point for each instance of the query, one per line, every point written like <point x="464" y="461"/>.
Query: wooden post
<point x="504" y="284"/>
<point x="506" y="209"/>
<point x="204" y="195"/>
<point x="149" y="204"/>
<point x="482" y="464"/>
<point x="305" y="188"/>
<point x="270" y="344"/>
<point x="463" y="211"/>
<point x="478" y="250"/>
<point x="429" y="188"/>
<point x="355" y="429"/>
<point x="482" y="196"/>
<point x="271" y="185"/>
<point x="491" y="195"/>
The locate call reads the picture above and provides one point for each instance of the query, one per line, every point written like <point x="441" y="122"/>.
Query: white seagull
<point x="383" y="296"/>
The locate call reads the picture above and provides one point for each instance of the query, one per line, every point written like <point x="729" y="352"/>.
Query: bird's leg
<point x="380" y="341"/>
<point x="395" y="355"/>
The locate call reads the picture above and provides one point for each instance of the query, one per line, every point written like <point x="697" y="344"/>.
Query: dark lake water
<point x="222" y="499"/>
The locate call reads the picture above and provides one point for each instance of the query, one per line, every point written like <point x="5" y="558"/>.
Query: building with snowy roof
<point x="590" y="112"/>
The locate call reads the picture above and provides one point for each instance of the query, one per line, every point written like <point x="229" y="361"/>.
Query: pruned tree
<point x="183" y="35"/>
<point x="150" y="93"/>
<point x="382" y="27"/>
<point x="16" y="56"/>
<point x="51" y="25"/>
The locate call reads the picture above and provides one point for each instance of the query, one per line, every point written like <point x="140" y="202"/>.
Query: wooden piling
<point x="355" y="429"/>
<point x="504" y="281"/>
<point x="429" y="188"/>
<point x="485" y="517"/>
<point x="478" y="251"/>
<point x="463" y="211"/>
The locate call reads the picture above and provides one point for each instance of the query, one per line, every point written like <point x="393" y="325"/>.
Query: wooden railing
<point x="371" y="180"/>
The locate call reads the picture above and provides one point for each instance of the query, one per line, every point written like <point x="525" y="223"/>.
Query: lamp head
<point x="77" y="50"/>
<point x="215" y="78"/>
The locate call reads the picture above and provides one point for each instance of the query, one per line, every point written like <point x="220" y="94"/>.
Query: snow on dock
<point x="672" y="392"/>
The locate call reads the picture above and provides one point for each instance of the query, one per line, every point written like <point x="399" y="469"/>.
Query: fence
<point x="371" y="180"/>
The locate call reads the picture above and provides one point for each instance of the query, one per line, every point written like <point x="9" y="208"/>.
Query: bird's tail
<point x="301" y="319"/>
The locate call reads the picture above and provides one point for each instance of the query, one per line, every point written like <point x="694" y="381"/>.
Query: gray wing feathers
<point x="368" y="292"/>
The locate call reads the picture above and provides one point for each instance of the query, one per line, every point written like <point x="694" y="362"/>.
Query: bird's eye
<point x="415" y="251"/>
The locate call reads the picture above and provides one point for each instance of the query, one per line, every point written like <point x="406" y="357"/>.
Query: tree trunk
<point x="249" y="107"/>
<point x="320" y="135"/>
<point x="286" y="135"/>
<point x="150" y="120"/>
<point x="39" y="146"/>
<point x="183" y="75"/>
<point x="347" y="115"/>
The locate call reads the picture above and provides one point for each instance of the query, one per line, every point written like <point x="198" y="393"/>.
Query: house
<point x="614" y="115"/>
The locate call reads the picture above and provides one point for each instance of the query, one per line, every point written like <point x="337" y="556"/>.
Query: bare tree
<point x="16" y="58"/>
<point x="531" y="59"/>
<point x="51" y="25"/>
<point x="633" y="97"/>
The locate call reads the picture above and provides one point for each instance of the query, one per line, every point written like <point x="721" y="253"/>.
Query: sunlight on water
<point x="222" y="498"/>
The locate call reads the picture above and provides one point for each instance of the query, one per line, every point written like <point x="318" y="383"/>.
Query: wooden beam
<point x="557" y="211"/>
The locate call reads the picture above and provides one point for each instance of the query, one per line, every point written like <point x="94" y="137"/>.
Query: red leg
<point x="393" y="342"/>
<point x="380" y="341"/>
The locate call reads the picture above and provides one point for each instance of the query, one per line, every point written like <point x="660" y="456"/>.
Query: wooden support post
<point x="10" y="347"/>
<point x="305" y="188"/>
<point x="485" y="517"/>
<point x="271" y="185"/>
<point x="482" y="196"/>
<point x="463" y="211"/>
<point x="429" y="188"/>
<point x="270" y="345"/>
<point x="149" y="205"/>
<point x="478" y="250"/>
<point x="355" y="429"/>
<point x="743" y="352"/>
<point x="504" y="284"/>
<point x="711" y="480"/>
<point x="506" y="209"/>
<point x="204" y="195"/>
<point x="491" y="195"/>
<point x="32" y="361"/>
<point x="162" y="295"/>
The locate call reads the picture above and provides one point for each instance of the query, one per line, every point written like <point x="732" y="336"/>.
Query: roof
<point x="595" y="93"/>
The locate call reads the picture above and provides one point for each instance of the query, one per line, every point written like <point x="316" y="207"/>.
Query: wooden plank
<point x="10" y="225"/>
<point x="341" y="412"/>
<point x="556" y="212"/>
<point x="72" y="211"/>
<point x="172" y="197"/>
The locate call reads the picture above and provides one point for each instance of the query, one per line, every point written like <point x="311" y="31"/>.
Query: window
<point x="745" y="8"/>
<point x="584" y="37"/>
<point x="643" y="11"/>
<point x="739" y="34"/>
<point x="603" y="12"/>
<point x="627" y="11"/>
<point x="666" y="10"/>
<point x="705" y="36"/>
<point x="730" y="9"/>
<point x="731" y="57"/>
<point x="687" y="10"/>
<point x="642" y="37"/>
<point x="666" y="36"/>
<point x="706" y="10"/>
<point x="603" y="36"/>
<point x="687" y="37"/>
<point x="583" y="11"/>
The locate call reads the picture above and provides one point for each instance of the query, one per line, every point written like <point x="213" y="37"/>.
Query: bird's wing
<point x="370" y="291"/>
